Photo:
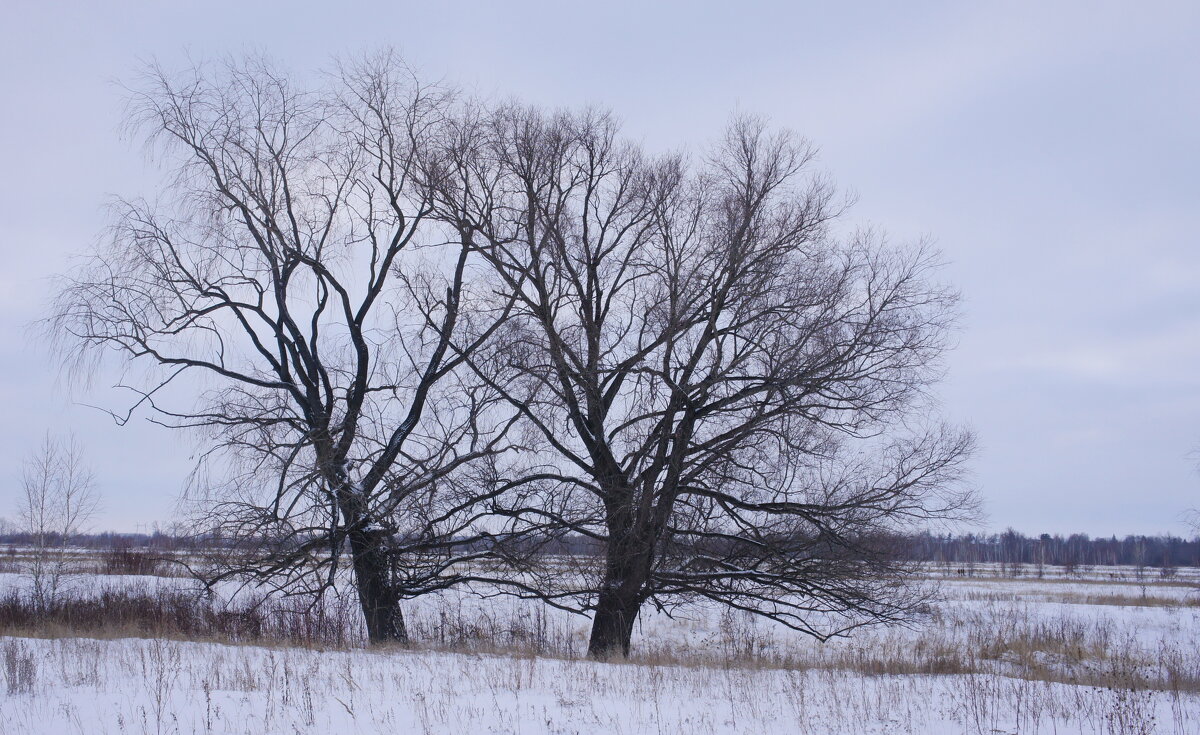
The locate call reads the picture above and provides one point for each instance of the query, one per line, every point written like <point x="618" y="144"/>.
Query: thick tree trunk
<point x="376" y="591"/>
<point x="612" y="628"/>
<point x="626" y="569"/>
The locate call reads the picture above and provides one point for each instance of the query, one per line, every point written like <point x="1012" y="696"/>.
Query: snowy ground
<point x="1055" y="655"/>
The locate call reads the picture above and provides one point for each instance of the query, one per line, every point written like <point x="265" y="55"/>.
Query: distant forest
<point x="1076" y="550"/>
<point x="1007" y="548"/>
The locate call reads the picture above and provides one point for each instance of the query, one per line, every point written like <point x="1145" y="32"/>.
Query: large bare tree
<point x="289" y="296"/>
<point x="731" y="399"/>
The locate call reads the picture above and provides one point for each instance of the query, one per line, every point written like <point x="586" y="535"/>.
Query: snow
<point x="155" y="686"/>
<point x="691" y="673"/>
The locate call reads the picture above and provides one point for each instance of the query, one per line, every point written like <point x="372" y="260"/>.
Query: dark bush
<point x="126" y="560"/>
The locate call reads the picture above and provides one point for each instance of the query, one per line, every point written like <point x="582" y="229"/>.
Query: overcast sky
<point x="1049" y="149"/>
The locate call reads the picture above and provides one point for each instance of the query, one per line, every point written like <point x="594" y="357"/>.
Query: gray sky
<point x="1049" y="149"/>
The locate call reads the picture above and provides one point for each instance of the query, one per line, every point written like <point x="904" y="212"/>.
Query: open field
<point x="1106" y="651"/>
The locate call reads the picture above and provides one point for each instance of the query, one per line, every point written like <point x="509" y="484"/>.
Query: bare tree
<point x="291" y="298"/>
<point x="731" y="400"/>
<point x="58" y="500"/>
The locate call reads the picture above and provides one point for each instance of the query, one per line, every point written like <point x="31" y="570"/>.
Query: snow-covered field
<point x="1095" y="654"/>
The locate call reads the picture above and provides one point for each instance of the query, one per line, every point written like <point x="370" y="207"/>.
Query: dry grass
<point x="1114" y="599"/>
<point x="991" y="636"/>
<point x="157" y="686"/>
<point x="177" y="615"/>
<point x="987" y="665"/>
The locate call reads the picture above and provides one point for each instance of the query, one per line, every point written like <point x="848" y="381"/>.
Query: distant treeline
<point x="157" y="540"/>
<point x="1008" y="548"/>
<point x="1075" y="550"/>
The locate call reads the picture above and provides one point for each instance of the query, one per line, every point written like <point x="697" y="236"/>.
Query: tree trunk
<point x="626" y="569"/>
<point x="377" y="593"/>
<point x="612" y="628"/>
